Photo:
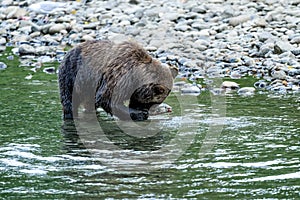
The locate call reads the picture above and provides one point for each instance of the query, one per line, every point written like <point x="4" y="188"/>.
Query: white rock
<point x="56" y="28"/>
<point x="234" y="21"/>
<point x="230" y="85"/>
<point x="2" y="41"/>
<point x="246" y="91"/>
<point x="191" y="89"/>
<point x="87" y="38"/>
<point x="6" y="2"/>
<point x="48" y="7"/>
<point x="296" y="40"/>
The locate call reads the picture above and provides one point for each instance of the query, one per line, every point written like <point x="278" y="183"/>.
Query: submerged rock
<point x="49" y="70"/>
<point x="246" y="91"/>
<point x="190" y="89"/>
<point x="2" y="66"/>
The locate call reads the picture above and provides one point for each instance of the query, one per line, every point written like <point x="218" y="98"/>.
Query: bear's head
<point x="155" y="91"/>
<point x="142" y="80"/>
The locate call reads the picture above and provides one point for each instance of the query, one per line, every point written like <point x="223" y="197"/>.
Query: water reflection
<point x="125" y="145"/>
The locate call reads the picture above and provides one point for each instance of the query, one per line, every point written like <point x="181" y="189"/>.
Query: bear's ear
<point x="174" y="70"/>
<point x="142" y="56"/>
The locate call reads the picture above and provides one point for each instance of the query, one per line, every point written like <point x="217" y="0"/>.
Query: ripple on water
<point x="295" y="175"/>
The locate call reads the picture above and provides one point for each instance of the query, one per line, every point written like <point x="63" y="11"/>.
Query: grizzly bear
<point x="107" y="75"/>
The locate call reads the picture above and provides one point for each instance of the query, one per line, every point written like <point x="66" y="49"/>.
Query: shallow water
<point x="182" y="155"/>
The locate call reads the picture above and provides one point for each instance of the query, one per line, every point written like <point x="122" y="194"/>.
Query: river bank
<point x="226" y="39"/>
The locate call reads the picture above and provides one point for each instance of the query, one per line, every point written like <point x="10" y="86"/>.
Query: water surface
<point x="256" y="155"/>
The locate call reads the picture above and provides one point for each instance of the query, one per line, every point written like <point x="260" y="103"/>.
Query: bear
<point x="104" y="74"/>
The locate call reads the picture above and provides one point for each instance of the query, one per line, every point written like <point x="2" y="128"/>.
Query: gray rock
<point x="234" y="21"/>
<point x="182" y="27"/>
<point x="6" y="2"/>
<point x="56" y="28"/>
<point x="49" y="70"/>
<point x="26" y="49"/>
<point x="190" y="89"/>
<point x="246" y="91"/>
<point x="2" y="66"/>
<point x="170" y="16"/>
<point x="280" y="74"/>
<point x="48" y="7"/>
<point x="283" y="46"/>
<point x="263" y="36"/>
<point x="13" y="12"/>
<point x="295" y="40"/>
<point x="87" y="38"/>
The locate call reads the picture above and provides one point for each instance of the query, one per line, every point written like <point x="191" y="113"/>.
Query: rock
<point x="87" y="38"/>
<point x="296" y="52"/>
<point x="280" y="74"/>
<point x="28" y="77"/>
<point x="26" y="49"/>
<point x="49" y="70"/>
<point x="235" y="75"/>
<point x="295" y="40"/>
<point x="56" y="28"/>
<point x="48" y="7"/>
<point x="264" y="36"/>
<point x="6" y="2"/>
<point x="246" y="91"/>
<point x="204" y="33"/>
<point x="170" y="16"/>
<point x="190" y="89"/>
<point x="15" y="12"/>
<point x="2" y="66"/>
<point x="234" y="21"/>
<point x="230" y="85"/>
<point x="42" y="50"/>
<point x="45" y="59"/>
<point x="2" y="41"/>
<point x="182" y="27"/>
<point x="260" y="84"/>
<point x="282" y="46"/>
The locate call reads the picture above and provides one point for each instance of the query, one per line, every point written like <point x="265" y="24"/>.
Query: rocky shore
<point x="213" y="38"/>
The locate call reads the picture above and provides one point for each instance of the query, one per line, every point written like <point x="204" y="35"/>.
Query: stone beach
<point x="205" y="39"/>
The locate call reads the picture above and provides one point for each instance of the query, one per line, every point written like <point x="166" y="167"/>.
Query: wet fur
<point x="105" y="74"/>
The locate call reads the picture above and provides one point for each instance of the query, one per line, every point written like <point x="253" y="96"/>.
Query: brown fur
<point x="105" y="74"/>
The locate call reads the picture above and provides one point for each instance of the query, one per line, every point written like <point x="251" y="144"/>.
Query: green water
<point x="256" y="155"/>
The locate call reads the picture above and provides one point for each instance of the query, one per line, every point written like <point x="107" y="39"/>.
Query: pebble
<point x="2" y="66"/>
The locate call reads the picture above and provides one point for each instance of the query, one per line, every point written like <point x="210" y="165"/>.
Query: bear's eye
<point x="159" y="89"/>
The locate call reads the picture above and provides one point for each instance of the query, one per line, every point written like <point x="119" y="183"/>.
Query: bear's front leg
<point x="138" y="115"/>
<point x="125" y="113"/>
